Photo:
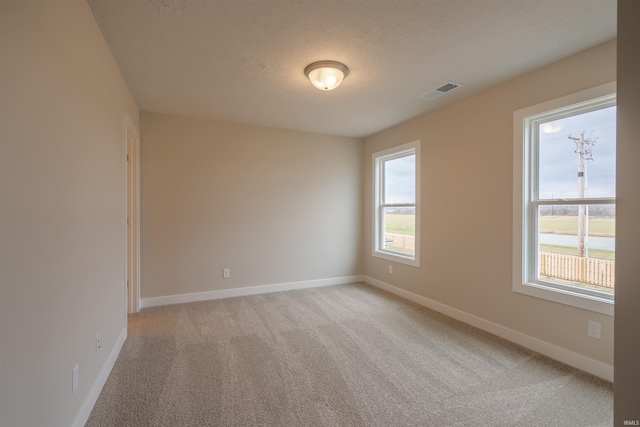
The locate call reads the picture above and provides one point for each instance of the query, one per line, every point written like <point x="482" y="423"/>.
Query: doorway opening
<point x="132" y="212"/>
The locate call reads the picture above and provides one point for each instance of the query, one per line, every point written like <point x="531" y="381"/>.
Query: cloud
<point x="552" y="127"/>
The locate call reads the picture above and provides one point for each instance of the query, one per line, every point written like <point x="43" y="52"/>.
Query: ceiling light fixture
<point x="326" y="75"/>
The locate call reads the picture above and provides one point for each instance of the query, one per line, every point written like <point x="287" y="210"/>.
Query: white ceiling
<point x="243" y="60"/>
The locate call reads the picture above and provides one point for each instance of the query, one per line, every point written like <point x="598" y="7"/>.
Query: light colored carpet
<point x="347" y="355"/>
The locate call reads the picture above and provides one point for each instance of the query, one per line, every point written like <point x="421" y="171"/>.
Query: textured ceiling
<point x="243" y="60"/>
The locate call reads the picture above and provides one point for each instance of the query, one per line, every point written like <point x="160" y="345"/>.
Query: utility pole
<point x="584" y="149"/>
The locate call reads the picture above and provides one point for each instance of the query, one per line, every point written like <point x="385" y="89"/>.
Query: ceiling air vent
<point x="447" y="87"/>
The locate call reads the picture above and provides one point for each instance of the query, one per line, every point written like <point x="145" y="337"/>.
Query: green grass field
<point x="405" y="224"/>
<point x="401" y="224"/>
<point x="568" y="250"/>
<point x="604" y="227"/>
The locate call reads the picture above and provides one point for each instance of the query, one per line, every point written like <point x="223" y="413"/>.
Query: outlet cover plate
<point x="594" y="329"/>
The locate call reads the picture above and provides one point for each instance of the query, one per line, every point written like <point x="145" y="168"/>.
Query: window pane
<point x="582" y="143"/>
<point x="400" y="180"/>
<point x="400" y="230"/>
<point x="576" y="245"/>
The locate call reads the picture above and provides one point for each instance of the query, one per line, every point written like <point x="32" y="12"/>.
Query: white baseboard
<point x="563" y="355"/>
<point x="251" y="290"/>
<point x="92" y="398"/>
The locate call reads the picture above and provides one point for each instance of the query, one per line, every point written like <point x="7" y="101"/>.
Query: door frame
<point x="132" y="215"/>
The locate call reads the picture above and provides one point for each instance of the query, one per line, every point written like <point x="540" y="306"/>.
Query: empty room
<point x="319" y="213"/>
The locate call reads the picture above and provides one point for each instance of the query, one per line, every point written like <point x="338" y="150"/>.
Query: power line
<point x="584" y="150"/>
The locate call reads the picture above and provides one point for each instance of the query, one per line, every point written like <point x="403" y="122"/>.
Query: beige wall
<point x="62" y="179"/>
<point x="467" y="206"/>
<point x="627" y="342"/>
<point x="274" y="206"/>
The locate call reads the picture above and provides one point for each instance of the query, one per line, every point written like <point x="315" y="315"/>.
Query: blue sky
<point x="400" y="186"/>
<point x="559" y="161"/>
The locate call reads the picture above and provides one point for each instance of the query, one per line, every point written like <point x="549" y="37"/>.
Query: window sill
<point x="390" y="256"/>
<point x="566" y="297"/>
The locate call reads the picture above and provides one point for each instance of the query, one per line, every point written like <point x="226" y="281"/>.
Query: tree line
<point x="572" y="210"/>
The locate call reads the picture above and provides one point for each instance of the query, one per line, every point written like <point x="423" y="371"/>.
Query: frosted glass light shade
<point x="326" y="75"/>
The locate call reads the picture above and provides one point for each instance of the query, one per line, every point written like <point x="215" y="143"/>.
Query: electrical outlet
<point x="75" y="378"/>
<point x="226" y="273"/>
<point x="98" y="345"/>
<point x="594" y="329"/>
<point x="390" y="269"/>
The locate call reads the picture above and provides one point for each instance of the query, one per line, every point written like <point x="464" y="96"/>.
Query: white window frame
<point x="378" y="188"/>
<point x="525" y="167"/>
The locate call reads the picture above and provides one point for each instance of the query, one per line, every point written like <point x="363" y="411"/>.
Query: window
<point x="565" y="201"/>
<point x="396" y="235"/>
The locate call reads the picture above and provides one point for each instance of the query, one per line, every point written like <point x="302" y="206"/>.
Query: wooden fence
<point x="593" y="271"/>
<point x="401" y="242"/>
